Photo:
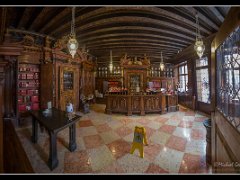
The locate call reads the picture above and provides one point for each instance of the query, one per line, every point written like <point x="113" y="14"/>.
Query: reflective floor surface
<point x="176" y="144"/>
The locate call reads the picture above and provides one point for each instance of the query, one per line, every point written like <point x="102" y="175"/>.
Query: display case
<point x="155" y="71"/>
<point x="104" y="71"/>
<point x="68" y="80"/>
<point x="28" y="88"/>
<point x="69" y="88"/>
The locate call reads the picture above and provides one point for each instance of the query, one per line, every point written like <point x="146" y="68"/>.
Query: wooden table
<point x="54" y="121"/>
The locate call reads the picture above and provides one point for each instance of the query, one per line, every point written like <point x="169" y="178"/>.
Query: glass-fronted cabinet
<point x="68" y="79"/>
<point x="69" y="91"/>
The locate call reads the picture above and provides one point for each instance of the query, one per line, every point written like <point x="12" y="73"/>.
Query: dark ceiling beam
<point x="224" y="10"/>
<point x="107" y="58"/>
<point x="41" y="17"/>
<point x="138" y="54"/>
<point x="147" y="10"/>
<point x="27" y="14"/>
<point x="132" y="44"/>
<point x="135" y="28"/>
<point x="55" y="19"/>
<point x="202" y="17"/>
<point x="122" y="35"/>
<point x="130" y="19"/>
<point x="218" y="15"/>
<point x="178" y="18"/>
<point x="124" y="48"/>
<point x="129" y="40"/>
<point x="148" y="52"/>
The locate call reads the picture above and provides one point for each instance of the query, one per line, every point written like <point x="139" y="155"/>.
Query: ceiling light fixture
<point x="111" y="63"/>
<point x="199" y="47"/>
<point x="72" y="42"/>
<point x="162" y="63"/>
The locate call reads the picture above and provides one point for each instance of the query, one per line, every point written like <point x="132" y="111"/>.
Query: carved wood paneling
<point x="47" y="88"/>
<point x="87" y="79"/>
<point x="226" y="145"/>
<point x="138" y="104"/>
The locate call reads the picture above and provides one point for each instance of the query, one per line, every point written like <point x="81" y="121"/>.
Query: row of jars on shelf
<point x="105" y="71"/>
<point x="160" y="74"/>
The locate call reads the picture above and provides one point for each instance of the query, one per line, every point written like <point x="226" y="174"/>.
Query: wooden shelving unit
<point x="28" y="83"/>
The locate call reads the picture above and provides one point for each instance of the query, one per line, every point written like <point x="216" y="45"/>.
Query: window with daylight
<point x="228" y="79"/>
<point x="183" y="77"/>
<point x="202" y="77"/>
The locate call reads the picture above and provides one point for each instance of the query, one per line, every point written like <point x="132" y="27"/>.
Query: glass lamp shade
<point x="162" y="66"/>
<point x="199" y="47"/>
<point x="72" y="46"/>
<point x="110" y="67"/>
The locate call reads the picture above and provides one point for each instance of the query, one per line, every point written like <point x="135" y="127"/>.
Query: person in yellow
<point x="139" y="140"/>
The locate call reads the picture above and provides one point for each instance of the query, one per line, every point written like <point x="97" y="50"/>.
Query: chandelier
<point x="72" y="42"/>
<point x="162" y="63"/>
<point x="199" y="47"/>
<point x="111" y="64"/>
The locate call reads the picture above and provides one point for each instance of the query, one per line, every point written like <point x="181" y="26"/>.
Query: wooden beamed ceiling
<point x="133" y="30"/>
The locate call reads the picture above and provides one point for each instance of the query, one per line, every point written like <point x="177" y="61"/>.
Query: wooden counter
<point x="140" y="104"/>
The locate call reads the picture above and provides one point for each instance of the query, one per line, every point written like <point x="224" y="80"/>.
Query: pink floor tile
<point x="177" y="143"/>
<point x="126" y="121"/>
<point x="167" y="128"/>
<point x="200" y="119"/>
<point x="143" y="121"/>
<point x="92" y="141"/>
<point x="149" y="132"/>
<point x="161" y="119"/>
<point x="197" y="134"/>
<point x="155" y="169"/>
<point x="185" y="124"/>
<point x="151" y="151"/>
<point x="123" y="131"/>
<point x="190" y="163"/>
<point x="103" y="128"/>
<point x="77" y="162"/>
<point x="119" y="148"/>
<point x="85" y="123"/>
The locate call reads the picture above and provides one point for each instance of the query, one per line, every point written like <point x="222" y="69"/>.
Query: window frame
<point x="209" y="79"/>
<point x="185" y="74"/>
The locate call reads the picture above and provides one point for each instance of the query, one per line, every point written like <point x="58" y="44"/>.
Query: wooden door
<point x="69" y="87"/>
<point x="47" y="85"/>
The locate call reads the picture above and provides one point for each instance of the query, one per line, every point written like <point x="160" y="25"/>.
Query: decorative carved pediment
<point x="28" y="40"/>
<point x="135" y="60"/>
<point x="61" y="43"/>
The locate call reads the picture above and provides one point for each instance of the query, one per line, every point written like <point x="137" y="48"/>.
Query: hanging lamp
<point x="111" y="63"/>
<point x="199" y="47"/>
<point x="162" y="63"/>
<point x="72" y="42"/>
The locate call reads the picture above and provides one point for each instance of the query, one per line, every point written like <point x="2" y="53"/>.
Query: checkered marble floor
<point x="176" y="144"/>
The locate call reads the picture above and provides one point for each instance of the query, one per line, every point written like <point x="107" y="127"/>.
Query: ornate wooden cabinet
<point x="69" y="86"/>
<point x="87" y="78"/>
<point x="135" y="104"/>
<point x="60" y="76"/>
<point x="135" y="72"/>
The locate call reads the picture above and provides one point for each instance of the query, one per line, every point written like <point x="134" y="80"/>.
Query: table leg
<point x="34" y="130"/>
<point x="72" y="137"/>
<point x="53" y="161"/>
